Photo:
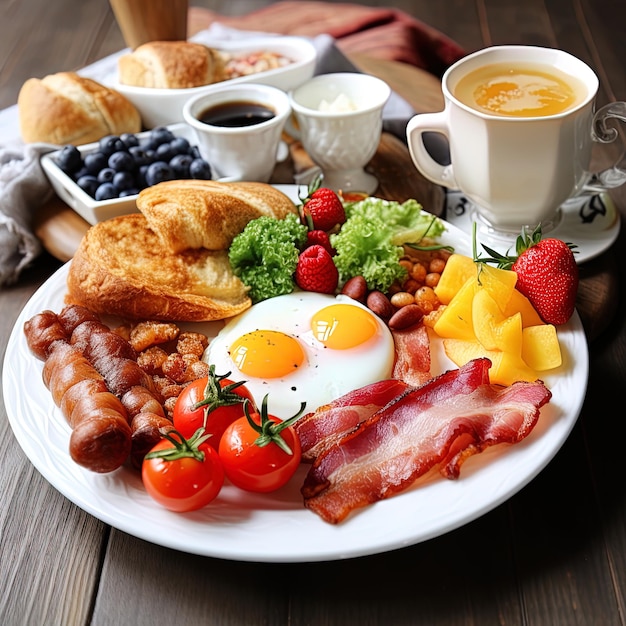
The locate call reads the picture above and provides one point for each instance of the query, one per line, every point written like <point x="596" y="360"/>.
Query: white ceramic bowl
<point x="160" y="107"/>
<point x="79" y="200"/>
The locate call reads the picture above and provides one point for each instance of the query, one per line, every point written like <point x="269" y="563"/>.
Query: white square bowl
<point x="80" y="201"/>
<point x="160" y="107"/>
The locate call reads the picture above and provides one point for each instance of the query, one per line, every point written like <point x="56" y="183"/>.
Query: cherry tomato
<point x="212" y="402"/>
<point x="260" y="452"/>
<point x="182" y="475"/>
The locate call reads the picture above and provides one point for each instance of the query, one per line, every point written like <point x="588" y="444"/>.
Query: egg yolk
<point x="267" y="354"/>
<point x="343" y="326"/>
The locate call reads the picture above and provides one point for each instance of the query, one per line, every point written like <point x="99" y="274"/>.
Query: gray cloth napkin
<point x="23" y="188"/>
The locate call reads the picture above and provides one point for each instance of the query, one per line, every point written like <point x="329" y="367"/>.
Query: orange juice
<point x="519" y="90"/>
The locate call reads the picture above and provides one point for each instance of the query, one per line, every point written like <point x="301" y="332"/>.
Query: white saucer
<point x="592" y="223"/>
<point x="346" y="180"/>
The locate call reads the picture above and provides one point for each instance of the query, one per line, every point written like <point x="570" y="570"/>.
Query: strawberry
<point x="316" y="271"/>
<point x="321" y="209"/>
<point x="547" y="274"/>
<point x="319" y="237"/>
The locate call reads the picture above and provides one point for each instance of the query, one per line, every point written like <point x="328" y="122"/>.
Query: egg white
<point x="326" y="374"/>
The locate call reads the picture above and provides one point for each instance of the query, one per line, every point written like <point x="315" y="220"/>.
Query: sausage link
<point x="146" y="433"/>
<point x="101" y="441"/>
<point x="41" y="331"/>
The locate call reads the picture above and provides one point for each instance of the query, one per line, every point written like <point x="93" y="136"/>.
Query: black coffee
<point x="233" y="114"/>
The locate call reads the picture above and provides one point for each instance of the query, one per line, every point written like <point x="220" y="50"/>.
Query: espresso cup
<point x="239" y="129"/>
<point x="520" y="125"/>
<point x="142" y="21"/>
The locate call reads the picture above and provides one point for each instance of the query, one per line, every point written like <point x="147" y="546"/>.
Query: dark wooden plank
<point x="50" y="549"/>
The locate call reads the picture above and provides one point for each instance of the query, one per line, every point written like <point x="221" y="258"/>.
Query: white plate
<point x="276" y="527"/>
<point x="87" y="207"/>
<point x="590" y="222"/>
<point x="165" y="106"/>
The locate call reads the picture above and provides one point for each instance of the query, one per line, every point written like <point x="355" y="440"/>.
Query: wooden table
<point x="552" y="555"/>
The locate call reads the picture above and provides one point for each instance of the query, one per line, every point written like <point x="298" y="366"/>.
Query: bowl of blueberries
<point x="102" y="180"/>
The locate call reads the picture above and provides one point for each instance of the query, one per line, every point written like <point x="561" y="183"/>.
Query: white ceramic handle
<point x="417" y="126"/>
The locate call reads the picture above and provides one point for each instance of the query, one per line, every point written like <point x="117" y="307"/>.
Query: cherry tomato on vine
<point x="260" y="452"/>
<point x="212" y="402"/>
<point x="182" y="475"/>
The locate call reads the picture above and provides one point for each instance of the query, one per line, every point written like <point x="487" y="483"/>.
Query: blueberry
<point x="160" y="135"/>
<point x="121" y="161"/>
<point x="110" y="144"/>
<point x="70" y="159"/>
<point x="179" y="145"/>
<point x="129" y="140"/>
<point x="140" y="155"/>
<point x="158" y="172"/>
<point x="94" y="162"/>
<point x="194" y="151"/>
<point x="141" y="176"/>
<point x="129" y="192"/>
<point x="106" y="191"/>
<point x="106" y="175"/>
<point x="88" y="184"/>
<point x="200" y="169"/>
<point x="123" y="180"/>
<point x="164" y="152"/>
<point x="83" y="171"/>
<point x="180" y="164"/>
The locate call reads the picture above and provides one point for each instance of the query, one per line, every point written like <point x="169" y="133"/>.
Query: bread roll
<point x="189" y="214"/>
<point x="120" y="268"/>
<point x="66" y="108"/>
<point x="171" y="65"/>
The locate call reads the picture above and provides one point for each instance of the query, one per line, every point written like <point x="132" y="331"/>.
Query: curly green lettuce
<point x="265" y="254"/>
<point x="370" y="243"/>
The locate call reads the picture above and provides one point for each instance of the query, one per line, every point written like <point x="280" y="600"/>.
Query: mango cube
<point x="492" y="328"/>
<point x="506" y="368"/>
<point x="459" y="268"/>
<point x="456" y="319"/>
<point x="518" y="302"/>
<point x="540" y="347"/>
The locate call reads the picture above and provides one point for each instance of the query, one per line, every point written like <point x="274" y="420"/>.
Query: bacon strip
<point x="443" y="422"/>
<point x="412" y="364"/>
<point x="319" y="430"/>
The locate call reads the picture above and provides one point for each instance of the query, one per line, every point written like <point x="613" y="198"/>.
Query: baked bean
<point x="402" y="298"/>
<point x="437" y="265"/>
<point x="432" y="279"/>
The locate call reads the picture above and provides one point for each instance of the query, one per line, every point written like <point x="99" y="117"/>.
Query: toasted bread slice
<point x="206" y="213"/>
<point x="120" y="268"/>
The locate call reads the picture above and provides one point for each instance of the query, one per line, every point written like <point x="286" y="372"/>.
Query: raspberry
<point x="316" y="271"/>
<point x="321" y="238"/>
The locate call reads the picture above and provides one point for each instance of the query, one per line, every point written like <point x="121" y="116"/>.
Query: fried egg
<point x="303" y="347"/>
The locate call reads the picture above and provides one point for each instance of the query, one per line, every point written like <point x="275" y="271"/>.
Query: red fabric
<point x="385" y="33"/>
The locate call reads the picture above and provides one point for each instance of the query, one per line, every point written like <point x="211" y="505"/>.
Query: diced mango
<point x="456" y="319"/>
<point x="459" y="268"/>
<point x="485" y="316"/>
<point x="499" y="283"/>
<point x="508" y="368"/>
<point x="540" y="347"/>
<point x="492" y="329"/>
<point x="519" y="302"/>
<point x="462" y="351"/>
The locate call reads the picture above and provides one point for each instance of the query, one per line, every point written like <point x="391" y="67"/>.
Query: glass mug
<point x="520" y="125"/>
